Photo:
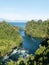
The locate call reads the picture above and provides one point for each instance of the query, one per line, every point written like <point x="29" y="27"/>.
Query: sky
<point x="24" y="9"/>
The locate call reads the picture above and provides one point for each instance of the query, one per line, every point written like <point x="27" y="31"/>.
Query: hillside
<point x="9" y="38"/>
<point x="37" y="28"/>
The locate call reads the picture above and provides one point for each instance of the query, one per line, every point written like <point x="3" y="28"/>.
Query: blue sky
<point x="24" y="9"/>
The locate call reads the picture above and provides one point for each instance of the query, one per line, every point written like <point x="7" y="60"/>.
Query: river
<point x="30" y="44"/>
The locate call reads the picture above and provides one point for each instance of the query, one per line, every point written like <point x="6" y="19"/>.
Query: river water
<point x="30" y="44"/>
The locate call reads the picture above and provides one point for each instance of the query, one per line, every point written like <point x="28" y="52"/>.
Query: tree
<point x="11" y="63"/>
<point x="21" y="62"/>
<point x="30" y="61"/>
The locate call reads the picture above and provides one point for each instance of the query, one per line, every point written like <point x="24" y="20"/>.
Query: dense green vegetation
<point x="9" y="38"/>
<point x="37" y="28"/>
<point x="11" y="63"/>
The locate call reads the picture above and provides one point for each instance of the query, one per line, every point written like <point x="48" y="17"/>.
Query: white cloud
<point x="12" y="16"/>
<point x="37" y="16"/>
<point x="23" y="16"/>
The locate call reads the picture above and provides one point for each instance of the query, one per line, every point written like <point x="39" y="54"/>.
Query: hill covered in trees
<point x="9" y="38"/>
<point x="37" y="28"/>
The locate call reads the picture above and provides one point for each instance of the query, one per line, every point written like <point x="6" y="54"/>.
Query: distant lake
<point x="29" y="44"/>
